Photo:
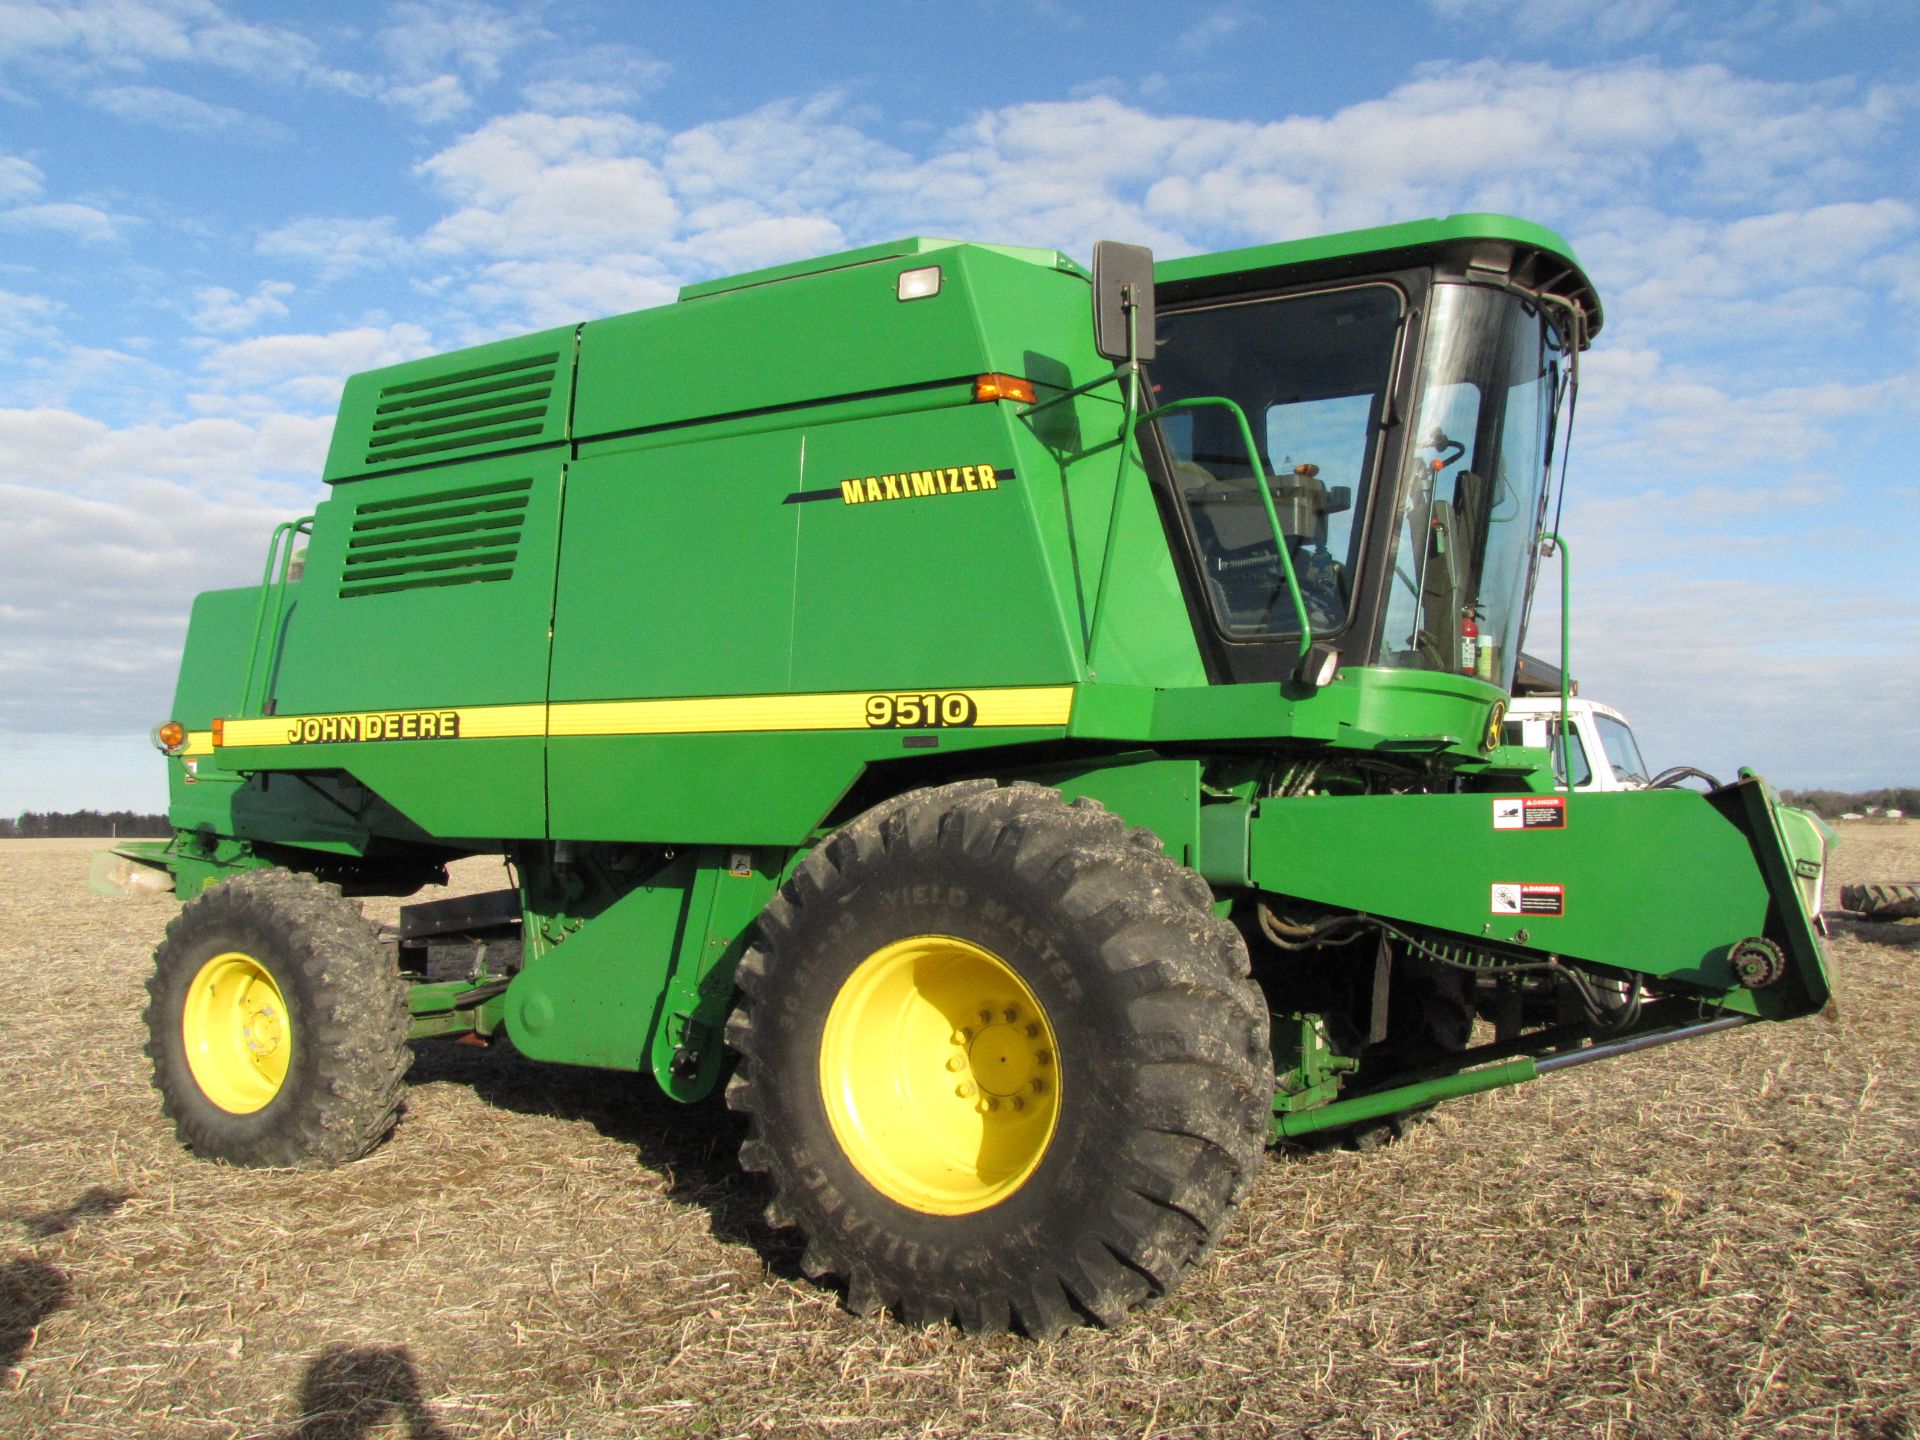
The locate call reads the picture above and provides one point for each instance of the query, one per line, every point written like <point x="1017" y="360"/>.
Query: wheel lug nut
<point x="1033" y="1031"/>
<point x="1043" y="1057"/>
<point x="1039" y="1087"/>
<point x="992" y="1103"/>
<point x="963" y="1036"/>
<point x="956" y="1063"/>
<point x="1018" y="1103"/>
<point x="986" y="1017"/>
<point x="965" y="1090"/>
<point x="1011" y="1013"/>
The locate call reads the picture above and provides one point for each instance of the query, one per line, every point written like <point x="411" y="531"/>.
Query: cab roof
<point x="1502" y="246"/>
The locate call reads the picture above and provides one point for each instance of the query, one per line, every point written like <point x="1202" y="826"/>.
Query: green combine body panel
<point x="664" y="607"/>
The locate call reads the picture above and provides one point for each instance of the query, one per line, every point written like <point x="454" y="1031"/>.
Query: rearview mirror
<point x="1122" y="281"/>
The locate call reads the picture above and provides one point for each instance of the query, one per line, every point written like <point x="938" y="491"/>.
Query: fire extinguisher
<point x="1469" y="641"/>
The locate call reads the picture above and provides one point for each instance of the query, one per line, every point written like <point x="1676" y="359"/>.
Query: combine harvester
<point x="1034" y="737"/>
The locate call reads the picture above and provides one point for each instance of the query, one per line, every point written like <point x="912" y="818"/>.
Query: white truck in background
<point x="1600" y="750"/>
<point x="1603" y="755"/>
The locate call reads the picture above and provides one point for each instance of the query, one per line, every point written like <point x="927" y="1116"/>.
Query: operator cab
<point x="1402" y="400"/>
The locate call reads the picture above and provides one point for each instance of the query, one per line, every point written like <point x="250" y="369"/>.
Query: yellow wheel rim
<point x="238" y="1034"/>
<point x="940" y="1075"/>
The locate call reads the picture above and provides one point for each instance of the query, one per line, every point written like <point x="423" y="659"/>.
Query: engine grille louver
<point x="416" y="542"/>
<point x="463" y="412"/>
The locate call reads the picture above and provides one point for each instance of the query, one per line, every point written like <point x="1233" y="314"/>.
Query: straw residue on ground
<point x="1720" y="1238"/>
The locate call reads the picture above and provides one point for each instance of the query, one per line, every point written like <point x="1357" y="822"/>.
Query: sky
<point x="213" y="211"/>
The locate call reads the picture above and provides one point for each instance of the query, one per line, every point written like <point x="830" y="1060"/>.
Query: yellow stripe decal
<point x="716" y="715"/>
<point x="199" y="742"/>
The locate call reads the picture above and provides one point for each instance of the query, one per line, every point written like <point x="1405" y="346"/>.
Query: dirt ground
<point x="1713" y="1239"/>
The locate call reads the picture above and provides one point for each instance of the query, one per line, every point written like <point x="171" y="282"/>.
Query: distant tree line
<point x="36" y="825"/>
<point x="1831" y="804"/>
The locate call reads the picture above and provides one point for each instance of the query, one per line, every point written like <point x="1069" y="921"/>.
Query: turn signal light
<point x="170" y="738"/>
<point x="1003" y="387"/>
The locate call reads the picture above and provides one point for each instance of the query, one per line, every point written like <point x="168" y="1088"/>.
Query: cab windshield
<point x="1310" y="372"/>
<point x="1467" y="519"/>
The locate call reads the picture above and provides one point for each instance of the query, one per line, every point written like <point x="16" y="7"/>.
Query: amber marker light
<point x="219" y="731"/>
<point x="170" y="738"/>
<point x="1003" y="387"/>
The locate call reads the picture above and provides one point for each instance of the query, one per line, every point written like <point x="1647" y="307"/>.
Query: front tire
<point x="276" y="1026"/>
<point x="1001" y="1060"/>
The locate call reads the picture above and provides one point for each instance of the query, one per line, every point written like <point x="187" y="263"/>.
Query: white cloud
<point x="432" y="102"/>
<point x="1787" y="272"/>
<point x="170" y="110"/>
<point x="1203" y="34"/>
<point x="19" y="180"/>
<point x="26" y="318"/>
<point x="563" y="292"/>
<point x="106" y="582"/>
<point x="1605" y="22"/>
<point x="723" y="241"/>
<point x="218" y="310"/>
<point x="1636" y="409"/>
<point x="310" y="369"/>
<point x="336" y="246"/>
<point x="595" y="77"/>
<point x="84" y="223"/>
<point x="62" y="451"/>
<point x="442" y="51"/>
<point x="78" y="39"/>
<point x="544" y="186"/>
<point x="1722" y="672"/>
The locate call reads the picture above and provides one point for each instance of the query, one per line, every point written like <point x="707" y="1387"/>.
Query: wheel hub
<point x="1002" y="1061"/>
<point x="238" y="1035"/>
<point x="937" y="1068"/>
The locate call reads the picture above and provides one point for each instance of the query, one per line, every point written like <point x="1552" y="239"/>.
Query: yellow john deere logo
<point x="374" y="725"/>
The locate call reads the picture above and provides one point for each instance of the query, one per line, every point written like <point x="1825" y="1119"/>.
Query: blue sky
<point x="212" y="211"/>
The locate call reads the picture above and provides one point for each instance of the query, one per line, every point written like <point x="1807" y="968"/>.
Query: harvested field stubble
<point x="1712" y="1239"/>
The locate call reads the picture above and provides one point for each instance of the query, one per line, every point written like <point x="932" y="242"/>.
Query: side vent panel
<point x="489" y="400"/>
<point x="453" y="537"/>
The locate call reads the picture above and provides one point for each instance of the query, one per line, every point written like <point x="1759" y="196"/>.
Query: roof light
<point x="1003" y="387"/>
<point x="919" y="284"/>
<point x="170" y="738"/>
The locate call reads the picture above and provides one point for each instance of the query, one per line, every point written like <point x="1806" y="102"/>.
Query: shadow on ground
<point x="696" y="1147"/>
<point x="351" y="1391"/>
<point x="30" y="1291"/>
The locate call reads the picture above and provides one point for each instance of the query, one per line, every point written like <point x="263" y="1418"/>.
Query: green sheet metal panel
<point x="935" y="577"/>
<point x="426" y="596"/>
<point x="676" y="569"/>
<point x="824" y="335"/>
<point x="1658" y="881"/>
<point x="594" y="999"/>
<point x="767" y="786"/>
<point x="428" y="589"/>
<point x="487" y="400"/>
<point x="213" y="667"/>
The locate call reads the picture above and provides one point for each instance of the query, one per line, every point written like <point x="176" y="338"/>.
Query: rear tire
<point x="1001" y="1061"/>
<point x="1884" y="901"/>
<point x="276" y="1026"/>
